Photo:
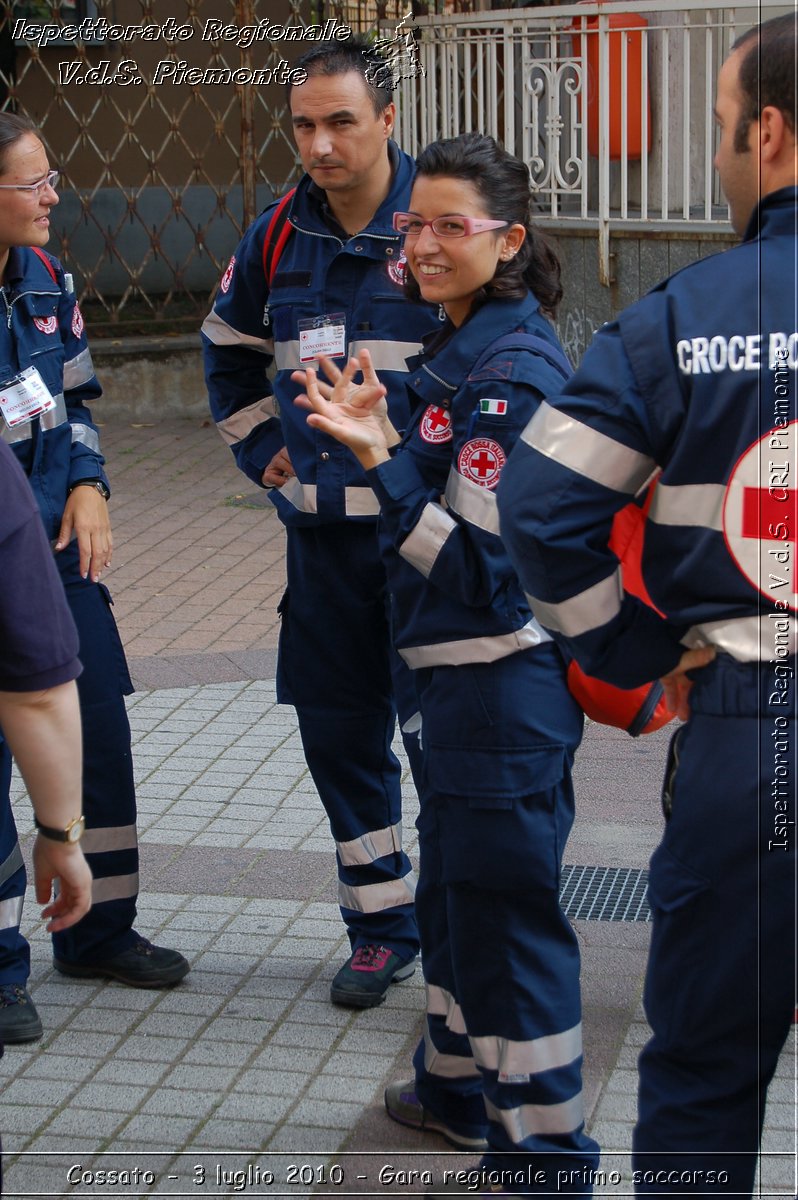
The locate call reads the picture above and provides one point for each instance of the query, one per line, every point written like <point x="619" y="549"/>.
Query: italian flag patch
<point x="494" y="408"/>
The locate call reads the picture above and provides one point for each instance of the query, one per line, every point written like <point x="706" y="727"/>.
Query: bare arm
<point x="43" y="731"/>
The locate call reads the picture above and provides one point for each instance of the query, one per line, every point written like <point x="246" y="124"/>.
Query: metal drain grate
<point x="604" y="894"/>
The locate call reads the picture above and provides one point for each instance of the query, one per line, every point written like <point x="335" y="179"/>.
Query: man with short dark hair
<point x="698" y="382"/>
<point x="336" y="290"/>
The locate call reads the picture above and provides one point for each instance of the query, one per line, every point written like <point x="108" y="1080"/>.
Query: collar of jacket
<point x="775" y="213"/>
<point x="453" y="364"/>
<point x="25" y="266"/>
<point x="306" y="208"/>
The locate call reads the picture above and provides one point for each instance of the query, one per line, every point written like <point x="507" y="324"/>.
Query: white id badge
<point x="23" y="397"/>
<point x="322" y="335"/>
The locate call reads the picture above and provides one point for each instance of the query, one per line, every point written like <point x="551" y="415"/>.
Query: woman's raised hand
<point x="355" y="414"/>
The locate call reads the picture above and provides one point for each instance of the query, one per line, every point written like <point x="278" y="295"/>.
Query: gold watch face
<point x="74" y="830"/>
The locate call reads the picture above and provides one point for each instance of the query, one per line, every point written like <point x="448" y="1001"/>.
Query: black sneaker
<point x="19" y="1020"/>
<point x="143" y="965"/>
<point x="364" y="979"/>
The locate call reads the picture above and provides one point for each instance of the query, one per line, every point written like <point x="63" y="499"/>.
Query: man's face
<point x="738" y="171"/>
<point x="341" y="140"/>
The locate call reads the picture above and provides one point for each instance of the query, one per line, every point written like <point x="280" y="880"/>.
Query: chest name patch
<point x="493" y="408"/>
<point x="481" y="460"/>
<point x="436" y="424"/>
<point x="46" y="324"/>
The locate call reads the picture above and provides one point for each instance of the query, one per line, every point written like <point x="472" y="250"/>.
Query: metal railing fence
<point x="612" y="110"/>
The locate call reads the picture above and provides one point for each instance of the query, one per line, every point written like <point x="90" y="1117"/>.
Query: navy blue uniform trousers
<point x="720" y="987"/>
<point x="336" y="666"/>
<point x="502" y="1052"/>
<point x="109" y="798"/>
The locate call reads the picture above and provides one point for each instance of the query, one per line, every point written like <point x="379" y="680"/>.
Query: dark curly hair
<point x="504" y="186"/>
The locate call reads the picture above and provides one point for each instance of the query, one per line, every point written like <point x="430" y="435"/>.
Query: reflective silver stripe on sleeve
<point x="11" y="865"/>
<point x="286" y="356"/>
<point x="114" y="887"/>
<point x="369" y="847"/>
<point x="116" y="837"/>
<point x="49" y="420"/>
<point x="221" y="334"/>
<point x="78" y="370"/>
<point x="377" y="897"/>
<point x="587" y="451"/>
<point x="11" y="912"/>
<point x="688" y="504"/>
<point x="386" y="355"/>
<point x="235" y="428"/>
<point x="529" y="1120"/>
<point x="748" y="639"/>
<point x="86" y="436"/>
<point x="448" y="1066"/>
<point x="468" y="650"/>
<point x="424" y="543"/>
<point x="441" y="1003"/>
<point x="587" y="610"/>
<point x="520" y="1060"/>
<point x="472" y="502"/>
<point x="358" y="501"/>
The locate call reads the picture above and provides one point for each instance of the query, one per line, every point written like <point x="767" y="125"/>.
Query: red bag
<point x="641" y="709"/>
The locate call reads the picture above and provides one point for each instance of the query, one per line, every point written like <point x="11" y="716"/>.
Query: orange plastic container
<point x="625" y="30"/>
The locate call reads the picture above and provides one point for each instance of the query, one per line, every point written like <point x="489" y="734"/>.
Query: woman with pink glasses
<point x="499" y="1067"/>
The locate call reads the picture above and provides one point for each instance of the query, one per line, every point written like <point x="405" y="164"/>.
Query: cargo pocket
<point x="497" y="810"/>
<point x="677" y="961"/>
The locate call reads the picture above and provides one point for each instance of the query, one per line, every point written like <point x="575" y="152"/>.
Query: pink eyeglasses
<point x="446" y="227"/>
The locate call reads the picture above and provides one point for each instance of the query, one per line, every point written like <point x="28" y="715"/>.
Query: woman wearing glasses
<point x="500" y="1063"/>
<point x="46" y="381"/>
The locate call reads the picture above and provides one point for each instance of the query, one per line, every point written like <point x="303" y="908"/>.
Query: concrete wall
<point x="145" y="379"/>
<point x="637" y="264"/>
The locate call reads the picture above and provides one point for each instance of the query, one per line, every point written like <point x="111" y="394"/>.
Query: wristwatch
<point x="72" y="834"/>
<point x="97" y="484"/>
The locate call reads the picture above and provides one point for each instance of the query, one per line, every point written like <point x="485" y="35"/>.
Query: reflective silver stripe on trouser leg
<point x="377" y="897"/>
<point x="362" y="852"/>
<point x="519" y="1061"/>
<point x="101" y="841"/>
<point x="538" y="1120"/>
<point x="11" y="912"/>
<point x="11" y="865"/>
<point x="11" y="909"/>
<point x="441" y="1003"/>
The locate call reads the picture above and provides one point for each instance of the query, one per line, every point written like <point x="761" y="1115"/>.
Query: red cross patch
<point x="46" y="324"/>
<point x="481" y="460"/>
<point x="760" y="515"/>
<point x="228" y="275"/>
<point x="397" y="269"/>
<point x="77" y="322"/>
<point x="436" y="425"/>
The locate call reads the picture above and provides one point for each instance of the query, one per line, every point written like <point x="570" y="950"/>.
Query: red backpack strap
<point x="277" y="235"/>
<point x="40" y="254"/>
